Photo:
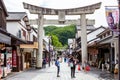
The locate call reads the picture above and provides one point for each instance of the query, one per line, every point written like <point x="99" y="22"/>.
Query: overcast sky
<point x="99" y="15"/>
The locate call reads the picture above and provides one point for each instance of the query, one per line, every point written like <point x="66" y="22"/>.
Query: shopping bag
<point x="0" y="70"/>
<point x="87" y="68"/>
<point x="68" y="64"/>
<point x="79" y="68"/>
<point x="71" y="64"/>
<point x="116" y="71"/>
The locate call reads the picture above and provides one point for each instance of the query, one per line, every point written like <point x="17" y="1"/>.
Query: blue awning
<point x="5" y="39"/>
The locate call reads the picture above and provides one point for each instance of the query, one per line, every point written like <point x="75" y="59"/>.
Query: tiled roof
<point x="88" y="28"/>
<point x="16" y="15"/>
<point x="4" y="7"/>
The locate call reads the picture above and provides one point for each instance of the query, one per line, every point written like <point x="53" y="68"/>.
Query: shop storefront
<point x="17" y="54"/>
<point x="5" y="54"/>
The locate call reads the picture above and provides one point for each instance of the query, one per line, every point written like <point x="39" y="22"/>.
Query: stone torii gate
<point x="66" y="22"/>
<point x="41" y="11"/>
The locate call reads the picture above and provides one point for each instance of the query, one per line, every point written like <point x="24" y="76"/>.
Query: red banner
<point x="14" y="58"/>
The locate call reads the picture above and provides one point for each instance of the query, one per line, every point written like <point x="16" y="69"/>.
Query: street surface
<point x="49" y="73"/>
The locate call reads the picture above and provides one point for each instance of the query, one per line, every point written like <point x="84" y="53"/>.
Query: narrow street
<point x="49" y="73"/>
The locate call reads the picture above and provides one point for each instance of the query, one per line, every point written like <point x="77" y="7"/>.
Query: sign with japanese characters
<point x="14" y="58"/>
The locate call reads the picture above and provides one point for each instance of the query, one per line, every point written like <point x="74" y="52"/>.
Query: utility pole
<point x="49" y="51"/>
<point x="119" y="39"/>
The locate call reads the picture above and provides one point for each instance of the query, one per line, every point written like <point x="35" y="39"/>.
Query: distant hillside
<point x="63" y="33"/>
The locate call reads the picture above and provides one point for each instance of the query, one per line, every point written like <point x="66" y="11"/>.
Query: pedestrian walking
<point x="0" y="68"/>
<point x="44" y="63"/>
<point x="57" y="64"/>
<point x="72" y="63"/>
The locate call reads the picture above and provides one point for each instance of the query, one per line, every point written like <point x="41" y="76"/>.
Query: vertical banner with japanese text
<point x="14" y="58"/>
<point x="112" y="16"/>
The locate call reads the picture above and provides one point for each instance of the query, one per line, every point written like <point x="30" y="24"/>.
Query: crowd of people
<point x="72" y="63"/>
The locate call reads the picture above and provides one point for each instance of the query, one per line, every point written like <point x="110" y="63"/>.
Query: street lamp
<point x="119" y="39"/>
<point x="49" y="50"/>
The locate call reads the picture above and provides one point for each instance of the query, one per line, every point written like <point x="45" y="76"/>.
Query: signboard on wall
<point x="14" y="58"/>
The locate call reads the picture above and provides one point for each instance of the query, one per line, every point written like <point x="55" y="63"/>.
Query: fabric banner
<point x="14" y="58"/>
<point x="112" y="16"/>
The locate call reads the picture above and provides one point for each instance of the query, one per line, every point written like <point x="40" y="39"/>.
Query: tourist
<point x="57" y="64"/>
<point x="72" y="64"/>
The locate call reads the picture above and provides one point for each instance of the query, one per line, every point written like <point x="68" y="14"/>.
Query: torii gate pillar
<point x="83" y="38"/>
<point x="40" y="42"/>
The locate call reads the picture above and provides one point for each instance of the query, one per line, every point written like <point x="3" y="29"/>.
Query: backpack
<point x="44" y="61"/>
<point x="56" y="64"/>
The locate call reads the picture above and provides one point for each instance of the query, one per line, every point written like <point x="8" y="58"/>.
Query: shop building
<point x="19" y="28"/>
<point x="108" y="48"/>
<point x="91" y="41"/>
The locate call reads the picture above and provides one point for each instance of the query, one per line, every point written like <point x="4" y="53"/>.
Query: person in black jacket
<point x="72" y="62"/>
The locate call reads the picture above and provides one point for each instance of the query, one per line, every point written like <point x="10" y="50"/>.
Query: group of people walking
<point x="72" y="62"/>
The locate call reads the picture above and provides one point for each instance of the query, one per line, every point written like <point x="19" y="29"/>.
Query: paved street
<point x="49" y="73"/>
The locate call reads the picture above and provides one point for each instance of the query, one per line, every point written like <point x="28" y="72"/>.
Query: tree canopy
<point x="61" y="34"/>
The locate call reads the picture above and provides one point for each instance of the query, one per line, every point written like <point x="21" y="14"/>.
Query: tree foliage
<point x="55" y="41"/>
<point x="63" y="33"/>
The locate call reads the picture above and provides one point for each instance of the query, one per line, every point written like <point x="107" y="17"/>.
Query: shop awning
<point x="35" y="45"/>
<point x="5" y="39"/>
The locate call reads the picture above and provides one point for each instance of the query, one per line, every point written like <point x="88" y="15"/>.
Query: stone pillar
<point x="83" y="38"/>
<point x="40" y="42"/>
<point x="116" y="49"/>
<point x="34" y="52"/>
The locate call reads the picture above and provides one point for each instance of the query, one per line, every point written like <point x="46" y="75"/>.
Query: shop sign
<point x="14" y="59"/>
<point x="2" y="45"/>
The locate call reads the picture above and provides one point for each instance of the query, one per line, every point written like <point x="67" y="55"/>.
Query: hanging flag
<point x="112" y="16"/>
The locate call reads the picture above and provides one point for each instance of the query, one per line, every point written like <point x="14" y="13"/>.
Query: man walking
<point x="57" y="63"/>
<point x="72" y="62"/>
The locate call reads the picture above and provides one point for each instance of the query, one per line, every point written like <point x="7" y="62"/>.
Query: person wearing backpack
<point x="57" y="64"/>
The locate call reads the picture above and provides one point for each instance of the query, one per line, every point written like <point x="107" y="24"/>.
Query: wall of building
<point x="13" y="28"/>
<point x="16" y="29"/>
<point x="93" y="34"/>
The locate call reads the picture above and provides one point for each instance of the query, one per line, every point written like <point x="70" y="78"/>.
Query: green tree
<point x="55" y="41"/>
<point x="48" y="29"/>
<point x="63" y="33"/>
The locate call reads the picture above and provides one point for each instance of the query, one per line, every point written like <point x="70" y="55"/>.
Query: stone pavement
<point x="49" y="73"/>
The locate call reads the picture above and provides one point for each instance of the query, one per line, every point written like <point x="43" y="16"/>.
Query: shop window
<point x="34" y="38"/>
<point x="90" y="57"/>
<point x="19" y="33"/>
<point x="100" y="37"/>
<point x="104" y="35"/>
<point x="108" y="33"/>
<point x="24" y="33"/>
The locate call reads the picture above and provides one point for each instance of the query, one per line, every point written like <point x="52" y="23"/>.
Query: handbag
<point x="1" y="71"/>
<point x="79" y="68"/>
<point x="116" y="71"/>
<point x="71" y="64"/>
